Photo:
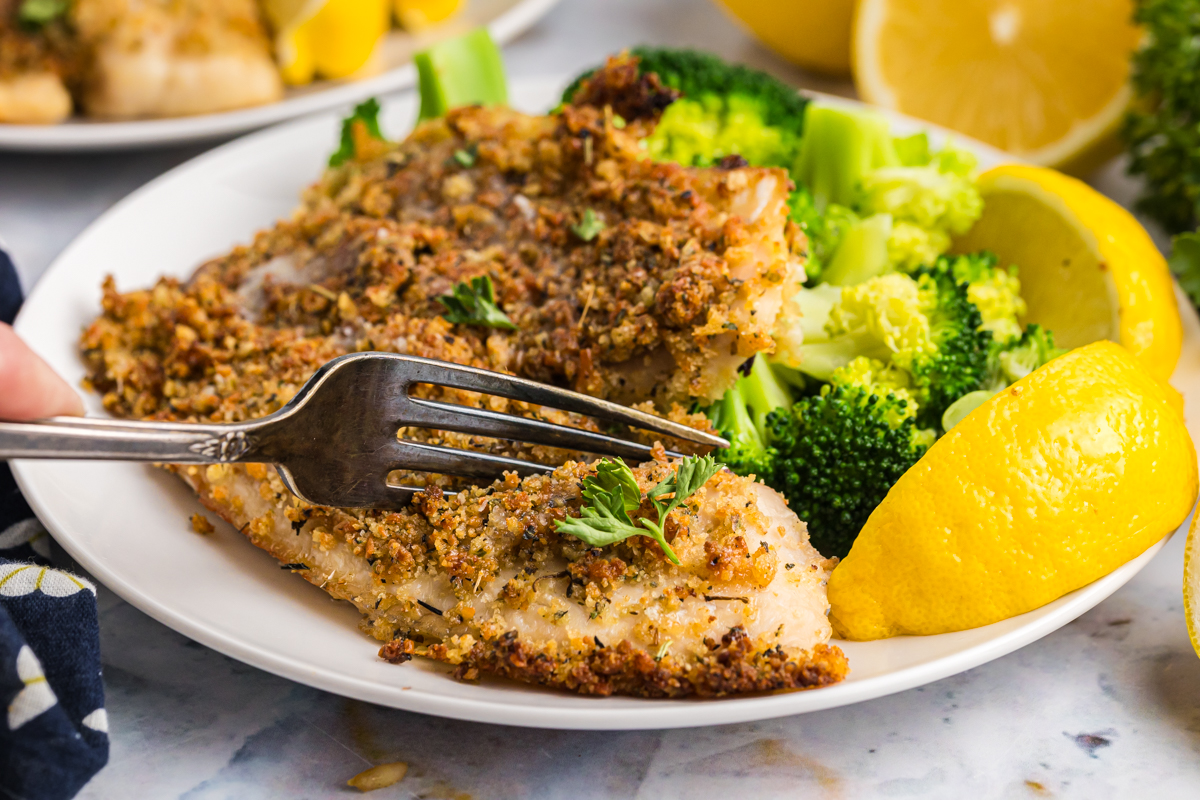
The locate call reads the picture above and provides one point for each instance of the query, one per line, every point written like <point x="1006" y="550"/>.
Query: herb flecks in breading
<point x="613" y="492"/>
<point x="589" y="226"/>
<point x="360" y="127"/>
<point x="475" y="304"/>
<point x="36" y="13"/>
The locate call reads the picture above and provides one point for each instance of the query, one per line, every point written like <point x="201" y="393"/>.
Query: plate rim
<point x="100" y="136"/>
<point x="646" y="714"/>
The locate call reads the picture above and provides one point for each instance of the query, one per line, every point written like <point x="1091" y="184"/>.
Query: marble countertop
<point x="1106" y="707"/>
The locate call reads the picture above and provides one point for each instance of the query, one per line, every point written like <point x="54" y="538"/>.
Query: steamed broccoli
<point x="1033" y="349"/>
<point x="928" y="324"/>
<point x="836" y="456"/>
<point x="958" y="361"/>
<point x="913" y="200"/>
<point x="725" y="109"/>
<point x="741" y="417"/>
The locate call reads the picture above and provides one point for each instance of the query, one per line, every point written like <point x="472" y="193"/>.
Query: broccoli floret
<point x="995" y="292"/>
<point x="1163" y="126"/>
<point x="839" y="148"/>
<point x="928" y="204"/>
<point x="836" y="456"/>
<point x="929" y="324"/>
<point x="824" y="230"/>
<point x="725" y="109"/>
<point x="958" y="361"/>
<point x="747" y="453"/>
<point x="849" y="158"/>
<point x="1033" y="349"/>
<point x="741" y="417"/>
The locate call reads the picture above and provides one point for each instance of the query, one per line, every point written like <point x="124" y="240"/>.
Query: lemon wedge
<point x="1050" y="484"/>
<point x="1088" y="268"/>
<point x="1047" y="81"/>
<point x="325" y="38"/>
<point x="1191" y="584"/>
<point x="417" y="15"/>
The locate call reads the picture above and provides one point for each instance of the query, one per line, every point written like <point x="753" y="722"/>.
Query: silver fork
<point x="336" y="441"/>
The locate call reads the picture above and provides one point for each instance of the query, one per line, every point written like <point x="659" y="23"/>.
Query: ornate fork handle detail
<point x="125" y="440"/>
<point x="225" y="448"/>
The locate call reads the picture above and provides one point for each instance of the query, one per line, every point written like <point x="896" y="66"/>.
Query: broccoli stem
<point x="731" y="416"/>
<point x="862" y="253"/>
<point x="763" y="392"/>
<point x="461" y="71"/>
<point x="838" y="149"/>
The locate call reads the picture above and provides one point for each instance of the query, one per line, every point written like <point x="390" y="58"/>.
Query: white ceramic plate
<point x="505" y="20"/>
<point x="129" y="524"/>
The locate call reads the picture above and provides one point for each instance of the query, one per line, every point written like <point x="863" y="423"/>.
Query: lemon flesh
<point x="1088" y="269"/>
<point x="1048" y="81"/>
<point x="1056" y="481"/>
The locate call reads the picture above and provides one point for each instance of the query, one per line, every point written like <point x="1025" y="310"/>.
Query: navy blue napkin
<point x="54" y="734"/>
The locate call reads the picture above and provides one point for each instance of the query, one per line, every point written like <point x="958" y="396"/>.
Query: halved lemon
<point x="1048" y="81"/>
<point x="814" y="34"/>
<point x="1054" y="482"/>
<point x="1088" y="269"/>
<point x="325" y="38"/>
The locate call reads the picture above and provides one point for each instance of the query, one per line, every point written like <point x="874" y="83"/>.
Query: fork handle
<point x="125" y="440"/>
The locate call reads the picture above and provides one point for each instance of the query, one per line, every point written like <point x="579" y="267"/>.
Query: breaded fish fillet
<point x="647" y="283"/>
<point x="484" y="581"/>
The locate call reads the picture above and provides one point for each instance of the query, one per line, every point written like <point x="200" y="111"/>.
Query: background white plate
<point x="505" y="19"/>
<point x="129" y="524"/>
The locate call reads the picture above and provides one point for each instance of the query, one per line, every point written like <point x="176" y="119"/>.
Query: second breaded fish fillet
<point x="483" y="580"/>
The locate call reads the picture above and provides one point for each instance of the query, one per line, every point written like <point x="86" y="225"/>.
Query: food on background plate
<point x="172" y="59"/>
<point x="1047" y="82"/>
<point x="123" y="59"/>
<point x="325" y="38"/>
<point x="34" y="70"/>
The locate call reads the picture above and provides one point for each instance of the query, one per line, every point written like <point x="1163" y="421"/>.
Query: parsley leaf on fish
<point x="613" y="492"/>
<point x="475" y="304"/>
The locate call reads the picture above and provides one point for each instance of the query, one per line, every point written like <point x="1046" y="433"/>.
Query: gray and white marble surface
<point x="1107" y="707"/>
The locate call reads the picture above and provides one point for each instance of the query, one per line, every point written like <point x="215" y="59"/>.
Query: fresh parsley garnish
<point x="613" y="492"/>
<point x="465" y="158"/>
<point x="589" y="227"/>
<point x="475" y="304"/>
<point x="365" y="119"/>
<point x="41" y="12"/>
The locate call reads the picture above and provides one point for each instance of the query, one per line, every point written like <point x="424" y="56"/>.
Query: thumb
<point x="29" y="388"/>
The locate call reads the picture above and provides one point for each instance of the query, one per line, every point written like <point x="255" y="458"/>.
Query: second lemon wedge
<point x="325" y="38"/>
<point x="1088" y="268"/>
<point x="1048" y="81"/>
<point x="1052" y="483"/>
